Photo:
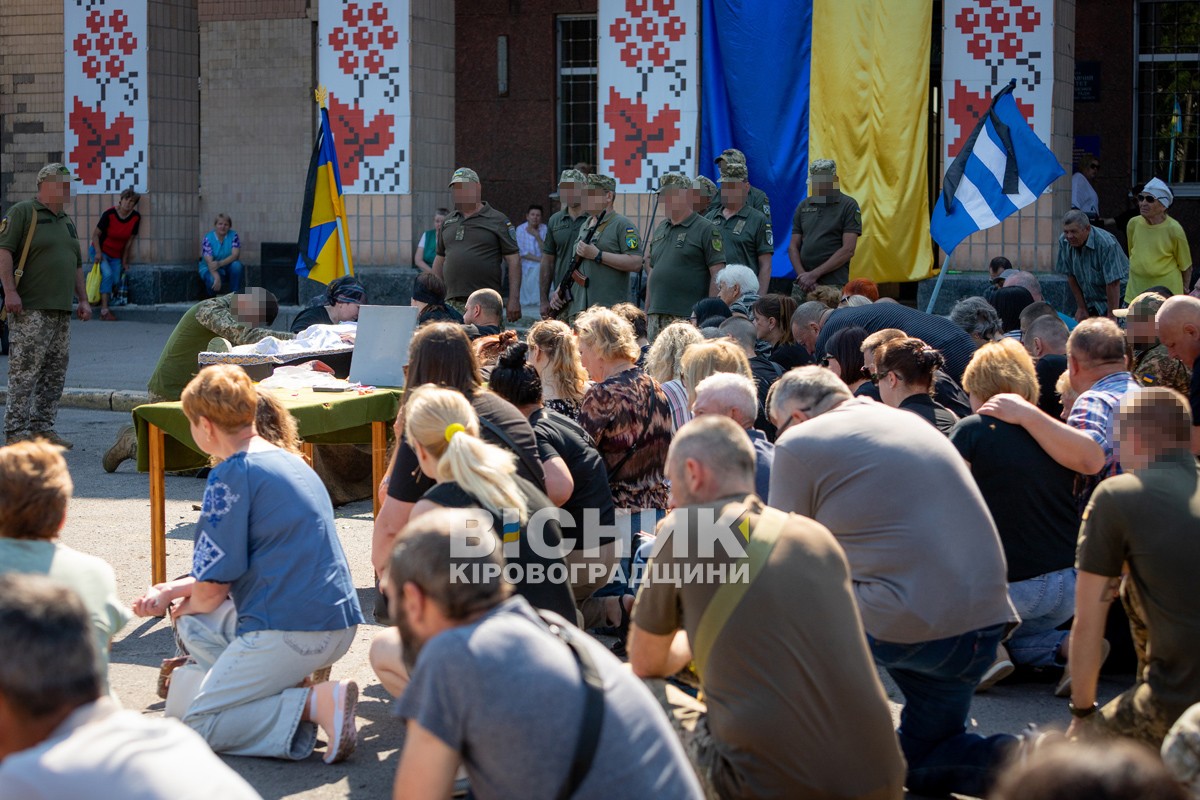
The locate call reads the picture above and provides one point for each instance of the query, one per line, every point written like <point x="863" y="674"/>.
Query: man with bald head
<point x="1178" y="324"/>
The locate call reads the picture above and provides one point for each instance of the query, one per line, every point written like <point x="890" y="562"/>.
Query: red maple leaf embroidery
<point x="97" y="141"/>
<point x="966" y="107"/>
<point x="356" y="139"/>
<point x="635" y="135"/>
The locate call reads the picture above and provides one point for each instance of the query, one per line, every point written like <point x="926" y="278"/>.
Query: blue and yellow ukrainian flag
<point x="324" y="244"/>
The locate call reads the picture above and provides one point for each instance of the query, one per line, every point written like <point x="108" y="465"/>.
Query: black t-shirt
<point x="1194" y="393"/>
<point x="790" y="355"/>
<point x="1048" y="368"/>
<point x="563" y="437"/>
<point x="542" y="592"/>
<point x="947" y="392"/>
<point x="408" y="484"/>
<point x="1030" y="495"/>
<point x="314" y="315"/>
<point x="938" y="332"/>
<point x="931" y="411"/>
<point x="765" y="371"/>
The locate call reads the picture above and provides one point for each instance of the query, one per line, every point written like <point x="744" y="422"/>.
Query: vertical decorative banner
<point x="363" y="62"/>
<point x="648" y="100"/>
<point x="104" y="84"/>
<point x="986" y="44"/>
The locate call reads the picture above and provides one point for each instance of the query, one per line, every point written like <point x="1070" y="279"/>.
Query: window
<point x="577" y="71"/>
<point x="1168" y="91"/>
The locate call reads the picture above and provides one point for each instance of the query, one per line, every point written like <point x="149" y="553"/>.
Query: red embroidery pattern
<point x="97" y="140"/>
<point x="643" y="36"/>
<point x="966" y="107"/>
<point x="356" y="139"/>
<point x="100" y="47"/>
<point x="635" y="135"/>
<point x="361" y="41"/>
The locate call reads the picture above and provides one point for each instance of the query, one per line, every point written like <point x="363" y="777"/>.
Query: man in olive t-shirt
<point x="745" y="231"/>
<point x="1147" y="518"/>
<point x="756" y="198"/>
<point x="686" y="253"/>
<point x="825" y="231"/>
<point x="794" y="704"/>
<point x="38" y="303"/>
<point x="614" y="252"/>
<point x="562" y="231"/>
<point x="473" y="241"/>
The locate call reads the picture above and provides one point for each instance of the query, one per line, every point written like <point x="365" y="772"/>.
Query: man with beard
<point x="471" y="662"/>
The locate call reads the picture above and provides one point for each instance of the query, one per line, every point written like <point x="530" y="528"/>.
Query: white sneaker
<point x="1000" y="669"/>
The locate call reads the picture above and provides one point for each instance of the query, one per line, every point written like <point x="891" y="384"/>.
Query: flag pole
<point x="339" y="209"/>
<point x="937" y="287"/>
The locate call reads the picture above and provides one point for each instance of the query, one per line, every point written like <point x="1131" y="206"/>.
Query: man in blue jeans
<point x="925" y="561"/>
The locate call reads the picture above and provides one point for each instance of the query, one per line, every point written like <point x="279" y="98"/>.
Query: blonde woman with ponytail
<point x="443" y="431"/>
<point x="554" y="353"/>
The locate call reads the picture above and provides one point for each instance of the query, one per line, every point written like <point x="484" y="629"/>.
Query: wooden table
<point x="165" y="443"/>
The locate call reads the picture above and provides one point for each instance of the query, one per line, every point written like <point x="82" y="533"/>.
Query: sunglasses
<point x="828" y="357"/>
<point x="876" y="377"/>
<point x="1146" y="198"/>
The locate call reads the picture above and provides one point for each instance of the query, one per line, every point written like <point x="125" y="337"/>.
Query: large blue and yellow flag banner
<point x="324" y="244"/>
<point x="840" y="79"/>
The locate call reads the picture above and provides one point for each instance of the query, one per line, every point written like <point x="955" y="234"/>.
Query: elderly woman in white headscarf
<point x="1158" y="248"/>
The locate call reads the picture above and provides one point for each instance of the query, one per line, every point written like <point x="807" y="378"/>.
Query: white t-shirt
<point x="1083" y="196"/>
<point x="102" y="751"/>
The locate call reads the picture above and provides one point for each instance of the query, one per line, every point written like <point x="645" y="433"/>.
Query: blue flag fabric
<point x="755" y="89"/>
<point x="1003" y="167"/>
<point x="323" y="255"/>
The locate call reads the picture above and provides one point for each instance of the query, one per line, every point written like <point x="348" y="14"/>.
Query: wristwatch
<point x="1081" y="713"/>
<point x="599" y="256"/>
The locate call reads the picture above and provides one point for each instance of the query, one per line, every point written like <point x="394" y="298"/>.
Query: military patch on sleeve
<point x="512" y="232"/>
<point x="631" y="239"/>
<point x="766" y="209"/>
<point x="770" y="236"/>
<point x="717" y="243"/>
<point x="3" y="225"/>
<point x="858" y="218"/>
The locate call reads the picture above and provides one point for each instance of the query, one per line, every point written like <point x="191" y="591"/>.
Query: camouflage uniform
<point x="1153" y="367"/>
<point x="37" y="370"/>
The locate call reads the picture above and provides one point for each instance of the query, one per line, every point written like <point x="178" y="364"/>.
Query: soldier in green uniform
<point x="561" y="233"/>
<point x="746" y="232"/>
<point x="755" y="198"/>
<point x="1148" y="359"/>
<point x="825" y="231"/>
<point x="686" y="253"/>
<point x="706" y="199"/>
<point x="38" y="302"/>
<point x="471" y="244"/>
<point x="614" y="252"/>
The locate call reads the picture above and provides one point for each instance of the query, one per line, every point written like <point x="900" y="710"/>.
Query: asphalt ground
<point x="110" y="517"/>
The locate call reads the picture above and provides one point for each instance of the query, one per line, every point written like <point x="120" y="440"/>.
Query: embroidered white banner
<point x="363" y="62"/>
<point x="986" y="44"/>
<point x="107" y="119"/>
<point x="648" y="95"/>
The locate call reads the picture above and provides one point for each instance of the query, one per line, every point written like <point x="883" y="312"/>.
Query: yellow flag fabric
<point x="324" y="244"/>
<point x="869" y="111"/>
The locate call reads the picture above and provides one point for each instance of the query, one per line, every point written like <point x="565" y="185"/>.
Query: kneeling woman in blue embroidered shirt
<point x="270" y="599"/>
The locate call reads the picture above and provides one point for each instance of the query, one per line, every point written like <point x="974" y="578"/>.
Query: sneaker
<point x="123" y="449"/>
<point x="53" y="438"/>
<point x="1063" y="689"/>
<point x="1000" y="669"/>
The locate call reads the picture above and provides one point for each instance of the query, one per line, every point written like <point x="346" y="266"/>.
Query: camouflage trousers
<point x="689" y="719"/>
<point x="656" y="322"/>
<point x="1137" y="625"/>
<point x="1134" y="714"/>
<point x="40" y="344"/>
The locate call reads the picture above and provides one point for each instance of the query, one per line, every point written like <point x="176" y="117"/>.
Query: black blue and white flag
<point x="1002" y="168"/>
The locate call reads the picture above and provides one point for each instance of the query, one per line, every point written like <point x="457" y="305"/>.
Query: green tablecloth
<point x="322" y="418"/>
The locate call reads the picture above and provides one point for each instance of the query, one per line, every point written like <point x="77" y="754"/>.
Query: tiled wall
<point x="432" y="57"/>
<point x="1029" y="238"/>
<point x="31" y="94"/>
<point x="231" y="10"/>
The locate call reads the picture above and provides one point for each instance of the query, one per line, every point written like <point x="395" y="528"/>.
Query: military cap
<point x="1144" y="307"/>
<point x="464" y="175"/>
<point x="734" y="171"/>
<point x="822" y="166"/>
<point x="572" y="176"/>
<point x="55" y="170"/>
<point x="704" y="185"/>
<point x="602" y="182"/>
<point x="730" y="155"/>
<point x="674" y="180"/>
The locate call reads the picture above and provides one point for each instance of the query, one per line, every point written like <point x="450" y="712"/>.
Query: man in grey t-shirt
<point x="925" y="560"/>
<point x="494" y="688"/>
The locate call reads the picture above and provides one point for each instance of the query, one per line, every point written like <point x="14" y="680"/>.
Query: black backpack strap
<point x="499" y="433"/>
<point x="588" y="740"/>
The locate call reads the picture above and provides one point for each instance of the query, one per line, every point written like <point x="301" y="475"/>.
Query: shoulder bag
<point x="20" y="270"/>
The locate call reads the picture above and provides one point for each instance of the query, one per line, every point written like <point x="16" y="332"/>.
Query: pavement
<point x="110" y="517"/>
